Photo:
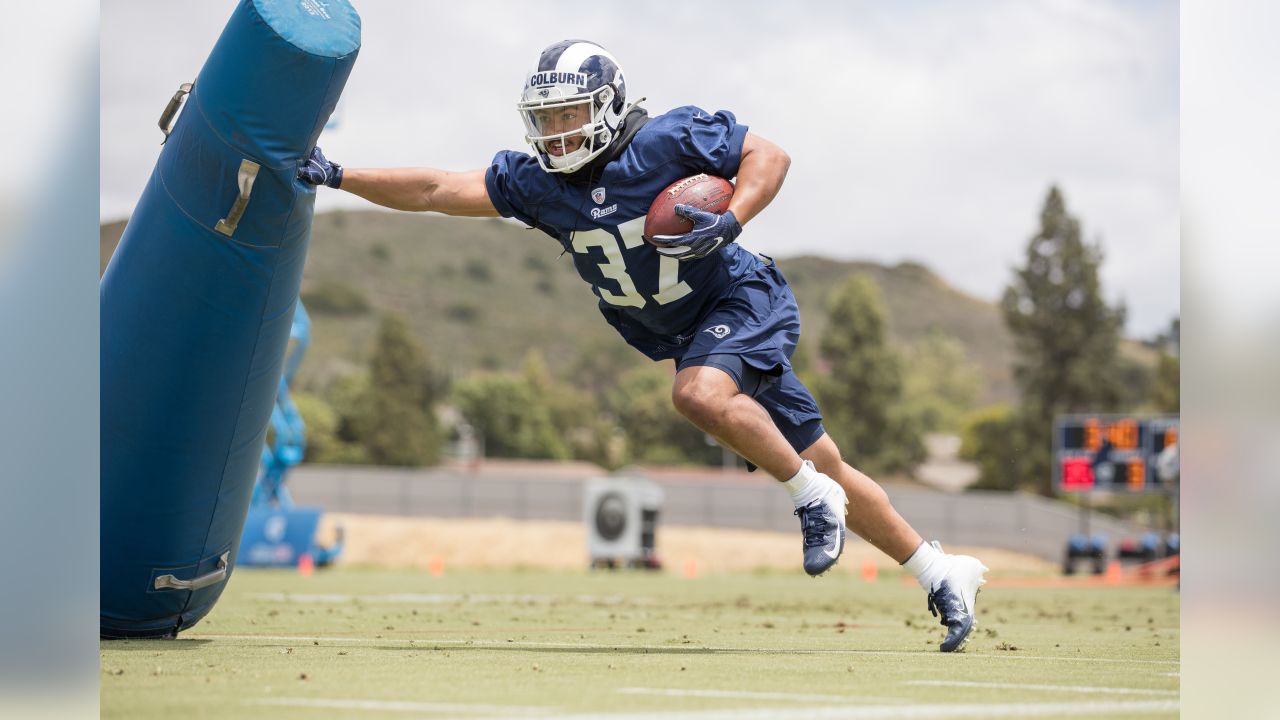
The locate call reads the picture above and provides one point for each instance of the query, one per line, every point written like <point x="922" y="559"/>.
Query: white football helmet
<point x="573" y="104"/>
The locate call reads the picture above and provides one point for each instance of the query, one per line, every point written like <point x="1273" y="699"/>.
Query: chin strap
<point x="635" y="119"/>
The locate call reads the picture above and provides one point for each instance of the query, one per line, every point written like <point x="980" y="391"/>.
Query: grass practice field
<point x="365" y="643"/>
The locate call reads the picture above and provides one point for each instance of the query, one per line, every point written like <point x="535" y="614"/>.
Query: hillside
<point x="479" y="293"/>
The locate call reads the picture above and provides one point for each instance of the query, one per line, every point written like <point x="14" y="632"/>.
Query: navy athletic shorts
<point x="751" y="335"/>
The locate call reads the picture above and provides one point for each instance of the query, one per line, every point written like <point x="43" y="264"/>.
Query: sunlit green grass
<point x="521" y="643"/>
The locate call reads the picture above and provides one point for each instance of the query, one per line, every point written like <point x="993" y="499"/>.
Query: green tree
<point x="575" y="412"/>
<point x="993" y="439"/>
<point x="940" y="384"/>
<point x="655" y="432"/>
<point x="1167" y="392"/>
<point x="346" y="396"/>
<point x="505" y="410"/>
<point x="396" y="418"/>
<point x="861" y="396"/>
<point x="322" y="422"/>
<point x="1066" y="335"/>
<point x="598" y="362"/>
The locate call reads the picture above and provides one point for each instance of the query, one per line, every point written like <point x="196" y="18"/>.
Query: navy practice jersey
<point x="654" y="301"/>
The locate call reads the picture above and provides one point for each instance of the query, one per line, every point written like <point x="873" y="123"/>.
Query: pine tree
<point x="862" y="395"/>
<point x="1067" y="336"/>
<point x="397" y="424"/>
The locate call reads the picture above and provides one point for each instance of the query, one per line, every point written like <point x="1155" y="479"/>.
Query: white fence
<point x="1021" y="522"/>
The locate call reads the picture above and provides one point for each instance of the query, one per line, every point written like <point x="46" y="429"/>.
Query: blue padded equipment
<point x="196" y="307"/>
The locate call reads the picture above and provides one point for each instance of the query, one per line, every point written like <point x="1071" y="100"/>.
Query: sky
<point x="918" y="131"/>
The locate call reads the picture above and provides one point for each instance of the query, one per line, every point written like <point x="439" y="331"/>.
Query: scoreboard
<point x="1116" y="453"/>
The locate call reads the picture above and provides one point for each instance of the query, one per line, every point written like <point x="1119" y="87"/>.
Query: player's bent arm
<point x="422" y="189"/>
<point x="760" y="175"/>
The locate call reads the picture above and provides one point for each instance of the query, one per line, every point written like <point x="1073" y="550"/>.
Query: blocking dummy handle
<point x="169" y="582"/>
<point x="244" y="180"/>
<point x="175" y="102"/>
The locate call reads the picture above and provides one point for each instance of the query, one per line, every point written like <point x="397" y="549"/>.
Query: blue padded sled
<point x="196" y="306"/>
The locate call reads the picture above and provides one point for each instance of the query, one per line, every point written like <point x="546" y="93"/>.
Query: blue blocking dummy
<point x="196" y="306"/>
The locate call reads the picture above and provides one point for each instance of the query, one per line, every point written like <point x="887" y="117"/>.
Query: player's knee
<point x="697" y="402"/>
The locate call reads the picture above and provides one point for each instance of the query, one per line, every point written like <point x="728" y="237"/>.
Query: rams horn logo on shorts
<point x="720" y="331"/>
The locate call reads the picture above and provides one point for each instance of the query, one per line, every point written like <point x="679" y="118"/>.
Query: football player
<point x="724" y="315"/>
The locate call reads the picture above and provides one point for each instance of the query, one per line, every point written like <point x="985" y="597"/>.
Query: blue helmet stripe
<point x="599" y="66"/>
<point x="551" y="55"/>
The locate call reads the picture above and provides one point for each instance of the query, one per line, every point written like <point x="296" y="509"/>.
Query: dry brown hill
<point x="479" y="293"/>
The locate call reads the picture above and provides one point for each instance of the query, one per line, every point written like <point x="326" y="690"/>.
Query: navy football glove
<point x="710" y="233"/>
<point x="319" y="170"/>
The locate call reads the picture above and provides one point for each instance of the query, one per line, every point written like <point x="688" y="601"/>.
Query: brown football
<point x="705" y="192"/>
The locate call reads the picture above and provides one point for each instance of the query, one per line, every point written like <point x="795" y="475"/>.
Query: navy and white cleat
<point x="822" y="522"/>
<point x="953" y="600"/>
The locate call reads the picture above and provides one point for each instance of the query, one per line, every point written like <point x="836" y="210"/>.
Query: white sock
<point x="929" y="564"/>
<point x="804" y="485"/>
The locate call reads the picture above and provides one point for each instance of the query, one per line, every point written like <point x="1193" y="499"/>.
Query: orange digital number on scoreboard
<point x="1092" y="435"/>
<point x="1137" y="476"/>
<point x="1123" y="434"/>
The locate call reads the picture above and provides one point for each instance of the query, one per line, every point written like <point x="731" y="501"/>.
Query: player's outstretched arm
<point x="411" y="189"/>
<point x="422" y="189"/>
<point x="760" y="175"/>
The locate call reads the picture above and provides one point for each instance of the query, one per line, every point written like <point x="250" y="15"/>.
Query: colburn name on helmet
<point x="550" y="77"/>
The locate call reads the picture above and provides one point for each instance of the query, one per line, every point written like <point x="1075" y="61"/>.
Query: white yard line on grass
<point x="901" y="712"/>
<point x="748" y="695"/>
<point x="1060" y="688"/>
<point x="856" y="712"/>
<point x="426" y="642"/>
<point x="442" y="598"/>
<point x="401" y="706"/>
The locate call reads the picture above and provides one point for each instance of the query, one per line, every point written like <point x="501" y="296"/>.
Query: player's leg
<point x="709" y="396"/>
<point x="714" y="393"/>
<point x="738" y="349"/>
<point x="952" y="581"/>
<point x="871" y="516"/>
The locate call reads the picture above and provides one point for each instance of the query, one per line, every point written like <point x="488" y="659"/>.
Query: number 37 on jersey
<point x="636" y="285"/>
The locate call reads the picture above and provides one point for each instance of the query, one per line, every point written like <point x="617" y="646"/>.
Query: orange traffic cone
<point x="690" y="569"/>
<point x="306" y="565"/>
<point x="435" y="566"/>
<point x="869" y="570"/>
<point x="1114" y="574"/>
